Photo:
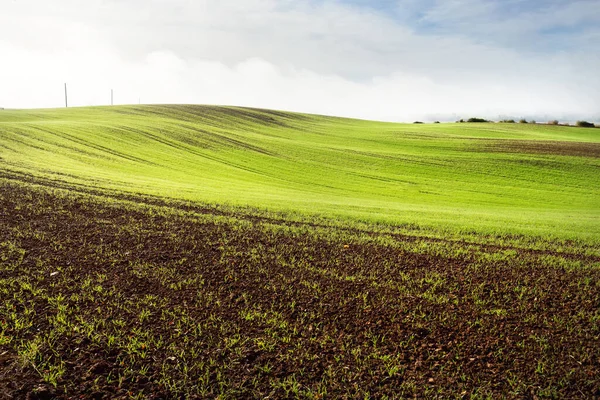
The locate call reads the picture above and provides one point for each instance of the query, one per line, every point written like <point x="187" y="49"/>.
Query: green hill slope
<point x="488" y="178"/>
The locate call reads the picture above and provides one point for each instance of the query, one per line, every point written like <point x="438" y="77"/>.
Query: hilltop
<point x="496" y="178"/>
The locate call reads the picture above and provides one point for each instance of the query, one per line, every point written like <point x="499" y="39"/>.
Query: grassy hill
<point x="158" y="252"/>
<point x="486" y="178"/>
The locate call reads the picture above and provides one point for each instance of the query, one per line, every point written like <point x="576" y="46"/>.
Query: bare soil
<point x="138" y="300"/>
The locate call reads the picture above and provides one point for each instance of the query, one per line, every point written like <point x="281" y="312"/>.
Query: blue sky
<point x="393" y="60"/>
<point x="524" y="24"/>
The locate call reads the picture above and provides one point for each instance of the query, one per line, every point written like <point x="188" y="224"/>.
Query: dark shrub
<point x="523" y="121"/>
<point x="436" y="122"/>
<point x="585" y="124"/>
<point x="553" y="122"/>
<point x="417" y="122"/>
<point x="477" y="120"/>
<point x="508" y="121"/>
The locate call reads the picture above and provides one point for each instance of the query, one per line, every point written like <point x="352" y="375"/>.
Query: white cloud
<point x="314" y="57"/>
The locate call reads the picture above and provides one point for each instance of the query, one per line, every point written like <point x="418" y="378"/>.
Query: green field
<point x="442" y="179"/>
<point x="161" y="252"/>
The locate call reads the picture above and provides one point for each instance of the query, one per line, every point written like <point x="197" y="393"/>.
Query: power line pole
<point x="66" y="99"/>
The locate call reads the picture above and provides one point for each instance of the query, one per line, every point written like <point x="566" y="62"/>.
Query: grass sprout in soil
<point x="102" y="297"/>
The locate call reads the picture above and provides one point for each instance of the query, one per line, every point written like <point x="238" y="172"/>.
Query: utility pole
<point x="66" y="100"/>
<point x="111" y="97"/>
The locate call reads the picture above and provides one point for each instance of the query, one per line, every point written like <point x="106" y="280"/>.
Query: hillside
<point x="487" y="178"/>
<point x="161" y="252"/>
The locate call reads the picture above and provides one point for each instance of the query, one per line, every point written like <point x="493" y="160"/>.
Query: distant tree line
<point x="585" y="124"/>
<point x="581" y="124"/>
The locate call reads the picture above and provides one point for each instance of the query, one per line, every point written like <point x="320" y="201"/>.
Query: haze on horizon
<point x="395" y="60"/>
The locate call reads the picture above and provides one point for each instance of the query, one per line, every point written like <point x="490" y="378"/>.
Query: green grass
<point x="497" y="179"/>
<point x="220" y="252"/>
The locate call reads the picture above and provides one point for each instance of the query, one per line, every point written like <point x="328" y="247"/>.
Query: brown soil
<point x="576" y="149"/>
<point x="188" y="306"/>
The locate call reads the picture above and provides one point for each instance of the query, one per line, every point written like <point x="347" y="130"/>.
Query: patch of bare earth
<point x="562" y="148"/>
<point x="104" y="299"/>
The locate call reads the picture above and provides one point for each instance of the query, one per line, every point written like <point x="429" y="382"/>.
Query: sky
<point x="392" y="60"/>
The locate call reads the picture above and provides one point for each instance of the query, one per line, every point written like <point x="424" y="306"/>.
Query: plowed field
<point x="106" y="297"/>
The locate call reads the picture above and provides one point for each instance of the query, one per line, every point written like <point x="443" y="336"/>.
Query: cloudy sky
<point x="398" y="60"/>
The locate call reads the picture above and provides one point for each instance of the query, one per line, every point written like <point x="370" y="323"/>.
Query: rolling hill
<point x="487" y="178"/>
<point x="219" y="252"/>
